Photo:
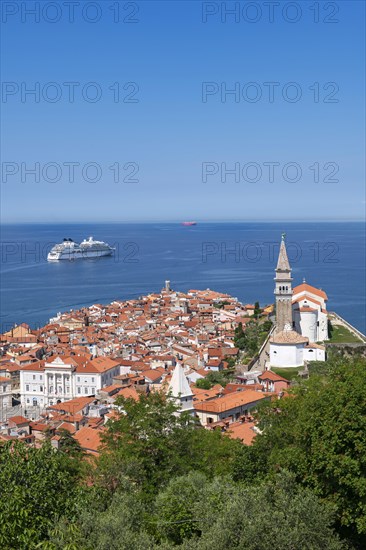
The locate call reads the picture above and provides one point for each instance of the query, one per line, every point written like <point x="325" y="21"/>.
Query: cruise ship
<point x="70" y="250"/>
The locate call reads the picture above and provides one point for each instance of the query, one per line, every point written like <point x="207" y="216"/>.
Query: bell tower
<point x="283" y="289"/>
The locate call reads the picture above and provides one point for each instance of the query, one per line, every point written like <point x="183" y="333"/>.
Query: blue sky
<point x="169" y="133"/>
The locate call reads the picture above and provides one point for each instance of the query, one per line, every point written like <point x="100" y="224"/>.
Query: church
<point x="301" y="319"/>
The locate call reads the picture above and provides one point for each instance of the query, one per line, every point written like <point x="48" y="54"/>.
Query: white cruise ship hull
<point x="78" y="255"/>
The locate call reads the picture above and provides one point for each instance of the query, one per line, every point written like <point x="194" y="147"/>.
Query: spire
<point x="283" y="263"/>
<point x="179" y="384"/>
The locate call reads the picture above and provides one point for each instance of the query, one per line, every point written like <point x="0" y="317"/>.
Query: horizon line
<point x="172" y="221"/>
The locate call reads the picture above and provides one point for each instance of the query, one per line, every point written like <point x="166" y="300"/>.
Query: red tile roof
<point x="89" y="438"/>
<point x="230" y="401"/>
<point x="19" y="420"/>
<point x="304" y="287"/>
<point x="243" y="431"/>
<point x="73" y="406"/>
<point x="270" y="375"/>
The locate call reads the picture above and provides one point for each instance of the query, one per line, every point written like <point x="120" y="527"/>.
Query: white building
<point x="290" y="349"/>
<point x="5" y="396"/>
<point x="228" y="407"/>
<point x="180" y="390"/>
<point x="301" y="319"/>
<point x="63" y="378"/>
<point x="310" y="312"/>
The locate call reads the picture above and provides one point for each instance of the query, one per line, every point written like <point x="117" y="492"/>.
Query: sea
<point x="235" y="258"/>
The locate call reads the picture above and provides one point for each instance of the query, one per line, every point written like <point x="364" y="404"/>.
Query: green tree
<point x="36" y="486"/>
<point x="257" y="310"/>
<point x="251" y="334"/>
<point x="69" y="445"/>
<point x="119" y="526"/>
<point x="204" y="383"/>
<point x="211" y="452"/>
<point x="213" y="378"/>
<point x="147" y="442"/>
<point x="195" y="512"/>
<point x="267" y="325"/>
<point x="231" y="361"/>
<point x="276" y="515"/>
<point x="221" y="305"/>
<point x="151" y="444"/>
<point x="239" y="337"/>
<point x="181" y="508"/>
<point x="320" y="435"/>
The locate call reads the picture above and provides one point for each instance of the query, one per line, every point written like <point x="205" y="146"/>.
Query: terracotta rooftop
<point x="230" y="401"/>
<point x="19" y="420"/>
<point x="304" y="287"/>
<point x="89" y="438"/>
<point x="270" y="375"/>
<point x="73" y="406"/>
<point x="288" y="337"/>
<point x="243" y="431"/>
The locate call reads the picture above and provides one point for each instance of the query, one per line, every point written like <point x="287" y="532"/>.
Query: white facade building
<point x="5" y="396"/>
<point x="290" y="349"/>
<point x="63" y="378"/>
<point x="180" y="390"/>
<point x="301" y="319"/>
<point x="310" y="312"/>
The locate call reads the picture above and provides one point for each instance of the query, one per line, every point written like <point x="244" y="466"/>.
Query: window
<point x="34" y="376"/>
<point x="92" y="379"/>
<point x="85" y="390"/>
<point x="78" y="378"/>
<point x="40" y="388"/>
<point x="93" y="391"/>
<point x="51" y="389"/>
<point x="28" y="400"/>
<point x="27" y="387"/>
<point x="40" y="377"/>
<point x="79" y="390"/>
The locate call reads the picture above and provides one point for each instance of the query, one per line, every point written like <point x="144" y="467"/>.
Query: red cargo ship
<point x="189" y="223"/>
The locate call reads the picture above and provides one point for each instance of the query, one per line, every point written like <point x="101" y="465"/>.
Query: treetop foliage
<point x="162" y="481"/>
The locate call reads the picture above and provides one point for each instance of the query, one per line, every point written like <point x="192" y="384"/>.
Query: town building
<point x="309" y="310"/>
<point x="180" y="390"/>
<point x="301" y="319"/>
<point x="233" y="406"/>
<point x="5" y="396"/>
<point x="61" y="378"/>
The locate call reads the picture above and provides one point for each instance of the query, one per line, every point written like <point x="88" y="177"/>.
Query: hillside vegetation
<point x="163" y="482"/>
